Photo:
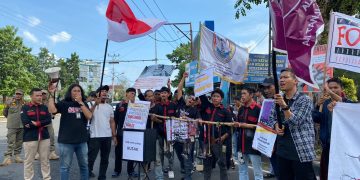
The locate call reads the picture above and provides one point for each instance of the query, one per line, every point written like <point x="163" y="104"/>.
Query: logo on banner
<point x="224" y="49"/>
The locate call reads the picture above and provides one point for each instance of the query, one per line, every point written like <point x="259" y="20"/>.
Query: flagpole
<point x="103" y="68"/>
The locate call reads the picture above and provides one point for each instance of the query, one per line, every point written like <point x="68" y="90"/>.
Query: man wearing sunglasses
<point x="15" y="128"/>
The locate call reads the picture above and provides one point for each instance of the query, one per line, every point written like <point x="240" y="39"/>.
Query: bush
<point x="349" y="88"/>
<point x="2" y="106"/>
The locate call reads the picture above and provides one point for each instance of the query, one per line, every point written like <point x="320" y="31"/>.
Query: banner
<point x="318" y="60"/>
<point x="154" y="76"/>
<point x="176" y="130"/>
<point x="137" y="115"/>
<point x="191" y="69"/>
<point x="228" y="59"/>
<point x="277" y="23"/>
<point x="258" y="67"/>
<point x="344" y="42"/>
<point x="265" y="136"/>
<point x="204" y="82"/>
<point x="303" y="23"/>
<point x="345" y="147"/>
<point x="133" y="145"/>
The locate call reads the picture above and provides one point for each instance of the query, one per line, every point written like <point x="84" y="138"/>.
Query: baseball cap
<point x="105" y="87"/>
<point x="268" y="81"/>
<point x="130" y="90"/>
<point x="165" y="89"/>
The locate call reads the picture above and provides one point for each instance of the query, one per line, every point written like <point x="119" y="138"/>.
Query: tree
<point x="70" y="71"/>
<point x="16" y="63"/>
<point x="120" y="90"/>
<point x="349" y="88"/>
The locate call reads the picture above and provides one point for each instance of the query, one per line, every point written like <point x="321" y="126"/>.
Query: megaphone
<point x="53" y="73"/>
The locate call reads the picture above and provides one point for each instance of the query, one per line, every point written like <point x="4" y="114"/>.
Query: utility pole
<point x="113" y="62"/>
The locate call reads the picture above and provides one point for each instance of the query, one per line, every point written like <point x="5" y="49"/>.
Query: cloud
<point x="62" y="36"/>
<point x="248" y="45"/>
<point x="33" y="21"/>
<point x="101" y="8"/>
<point x="31" y="37"/>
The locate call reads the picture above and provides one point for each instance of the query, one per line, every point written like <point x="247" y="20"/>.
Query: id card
<point x="78" y="115"/>
<point x="224" y="149"/>
<point x="192" y="139"/>
<point x="171" y="148"/>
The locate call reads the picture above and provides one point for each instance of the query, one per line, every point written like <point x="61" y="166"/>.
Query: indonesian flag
<point x="123" y="25"/>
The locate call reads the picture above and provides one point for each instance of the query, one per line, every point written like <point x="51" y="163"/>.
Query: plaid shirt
<point x="301" y="126"/>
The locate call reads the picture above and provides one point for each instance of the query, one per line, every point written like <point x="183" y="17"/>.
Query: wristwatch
<point x="286" y="108"/>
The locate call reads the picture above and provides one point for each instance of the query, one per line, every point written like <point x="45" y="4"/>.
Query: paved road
<point x="15" y="171"/>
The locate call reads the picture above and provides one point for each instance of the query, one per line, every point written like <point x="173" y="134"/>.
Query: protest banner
<point x="176" y="130"/>
<point x="154" y="76"/>
<point x="345" y="147"/>
<point x="265" y="136"/>
<point x="137" y="115"/>
<point x="191" y="69"/>
<point x="133" y="145"/>
<point x="258" y="67"/>
<point x="204" y="82"/>
<point x="228" y="59"/>
<point x="344" y="42"/>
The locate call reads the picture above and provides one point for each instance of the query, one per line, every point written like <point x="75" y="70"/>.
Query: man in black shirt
<point x="119" y="116"/>
<point x="73" y="135"/>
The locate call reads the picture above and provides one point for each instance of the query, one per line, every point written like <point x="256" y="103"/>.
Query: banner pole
<point x="103" y="68"/>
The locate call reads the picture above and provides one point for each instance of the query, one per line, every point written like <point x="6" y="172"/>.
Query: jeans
<point x="256" y="163"/>
<point x="289" y="169"/>
<point x="104" y="145"/>
<point x="66" y="156"/>
<point x="234" y="139"/>
<point x="218" y="156"/>
<point x="159" y="175"/>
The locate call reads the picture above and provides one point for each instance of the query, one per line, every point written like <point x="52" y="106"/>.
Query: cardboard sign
<point x="137" y="115"/>
<point x="133" y="145"/>
<point x="204" y="82"/>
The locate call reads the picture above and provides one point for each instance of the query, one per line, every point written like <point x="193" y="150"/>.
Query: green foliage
<point x="350" y="88"/>
<point x="352" y="75"/>
<point x="242" y="6"/>
<point x="2" y="106"/>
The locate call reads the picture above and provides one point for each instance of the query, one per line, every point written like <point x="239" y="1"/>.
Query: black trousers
<point x="179" y="147"/>
<point x="104" y="145"/>
<point x="295" y="170"/>
<point x="118" y="158"/>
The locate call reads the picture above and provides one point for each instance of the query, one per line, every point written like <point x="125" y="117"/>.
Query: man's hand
<point x="51" y="88"/>
<point x="331" y="106"/>
<point x="280" y="100"/>
<point x="185" y="75"/>
<point x="237" y="124"/>
<point x="322" y="99"/>
<point x="115" y="140"/>
<point x="278" y="130"/>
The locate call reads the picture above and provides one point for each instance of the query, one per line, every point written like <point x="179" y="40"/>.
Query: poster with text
<point x="204" y="82"/>
<point x="133" y="145"/>
<point x="137" y="115"/>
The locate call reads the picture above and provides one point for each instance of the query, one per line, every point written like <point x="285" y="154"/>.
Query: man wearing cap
<point x="119" y="116"/>
<point x="164" y="108"/>
<point x="53" y="155"/>
<point x="102" y="130"/>
<point x="268" y="88"/>
<point x="14" y="136"/>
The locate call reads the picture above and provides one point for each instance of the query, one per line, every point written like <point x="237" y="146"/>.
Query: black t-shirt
<point x="285" y="144"/>
<point x="72" y="129"/>
<point x="188" y="111"/>
<point x="164" y="109"/>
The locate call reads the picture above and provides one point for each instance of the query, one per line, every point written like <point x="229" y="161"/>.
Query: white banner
<point x="204" y="82"/>
<point x="344" y="42"/>
<point x="133" y="145"/>
<point x="154" y="76"/>
<point x="176" y="130"/>
<point x="265" y="136"/>
<point x="228" y="59"/>
<point x="137" y="115"/>
<point x="344" y="146"/>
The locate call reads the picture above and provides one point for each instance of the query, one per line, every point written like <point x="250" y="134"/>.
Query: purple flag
<point x="302" y="24"/>
<point x="279" y="43"/>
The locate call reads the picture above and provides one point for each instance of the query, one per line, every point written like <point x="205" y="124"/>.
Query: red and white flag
<point x="123" y="25"/>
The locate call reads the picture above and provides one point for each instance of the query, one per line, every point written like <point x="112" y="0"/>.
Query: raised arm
<point x="181" y="86"/>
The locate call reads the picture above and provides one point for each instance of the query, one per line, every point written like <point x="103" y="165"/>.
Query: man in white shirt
<point x="102" y="130"/>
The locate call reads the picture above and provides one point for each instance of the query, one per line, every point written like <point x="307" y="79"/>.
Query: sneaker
<point x="91" y="174"/>
<point x="115" y="174"/>
<point x="267" y="176"/>
<point x="7" y="161"/>
<point x="18" y="159"/>
<point x="171" y="175"/>
<point x="53" y="156"/>
<point x="166" y="170"/>
<point x="232" y="164"/>
<point x="134" y="175"/>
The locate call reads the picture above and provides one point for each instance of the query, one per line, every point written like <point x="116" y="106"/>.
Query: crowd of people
<point x="90" y="125"/>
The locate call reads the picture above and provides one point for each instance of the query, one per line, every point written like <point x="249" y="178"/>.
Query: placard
<point x="137" y="115"/>
<point x="204" y="82"/>
<point x="133" y="145"/>
<point x="265" y="136"/>
<point x="176" y="130"/>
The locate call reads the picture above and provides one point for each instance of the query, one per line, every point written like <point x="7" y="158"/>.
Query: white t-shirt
<point x="100" y="122"/>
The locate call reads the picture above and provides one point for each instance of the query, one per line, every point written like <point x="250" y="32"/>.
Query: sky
<point x="80" y="26"/>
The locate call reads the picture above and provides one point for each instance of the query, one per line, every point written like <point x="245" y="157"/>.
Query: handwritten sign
<point x="133" y="145"/>
<point x="176" y="130"/>
<point x="265" y="136"/>
<point x="137" y="115"/>
<point x="204" y="82"/>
